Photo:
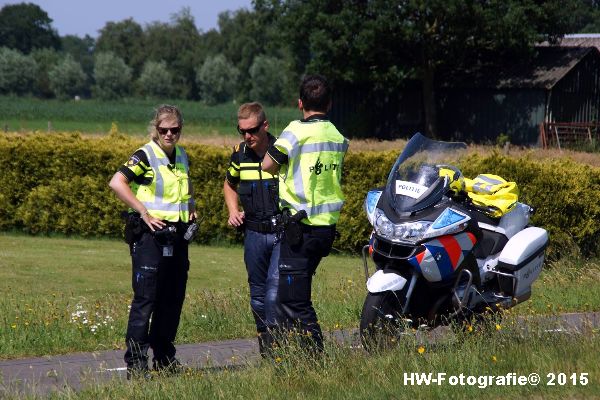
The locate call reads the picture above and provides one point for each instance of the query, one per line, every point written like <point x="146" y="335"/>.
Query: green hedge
<point x="59" y="183"/>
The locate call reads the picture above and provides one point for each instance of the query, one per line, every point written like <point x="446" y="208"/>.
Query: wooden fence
<point x="569" y="134"/>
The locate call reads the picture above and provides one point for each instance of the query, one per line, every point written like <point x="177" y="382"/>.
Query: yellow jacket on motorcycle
<point x="493" y="193"/>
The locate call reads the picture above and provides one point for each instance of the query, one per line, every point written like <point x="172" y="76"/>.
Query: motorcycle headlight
<point x="410" y="232"/>
<point x="383" y="225"/>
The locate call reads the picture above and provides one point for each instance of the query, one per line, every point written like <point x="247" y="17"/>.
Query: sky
<point x="81" y="17"/>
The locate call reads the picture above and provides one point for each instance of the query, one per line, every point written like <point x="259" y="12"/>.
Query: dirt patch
<point x="357" y="145"/>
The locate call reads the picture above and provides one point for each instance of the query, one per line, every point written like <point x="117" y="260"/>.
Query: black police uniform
<point x="260" y="199"/>
<point x="158" y="282"/>
<point x="259" y="196"/>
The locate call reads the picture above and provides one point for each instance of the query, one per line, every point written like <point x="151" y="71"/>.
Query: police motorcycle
<point x="440" y="257"/>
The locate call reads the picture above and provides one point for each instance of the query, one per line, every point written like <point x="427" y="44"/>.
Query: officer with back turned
<point x="308" y="157"/>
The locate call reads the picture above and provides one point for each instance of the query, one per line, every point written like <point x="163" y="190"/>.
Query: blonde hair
<point x="161" y="113"/>
<point x="254" y="109"/>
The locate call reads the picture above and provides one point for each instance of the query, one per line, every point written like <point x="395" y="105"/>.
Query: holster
<point x="166" y="236"/>
<point x="134" y="228"/>
<point x="289" y="225"/>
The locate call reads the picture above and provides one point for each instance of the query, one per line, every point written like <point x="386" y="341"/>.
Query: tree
<point x="155" y="80"/>
<point x="587" y="16"/>
<point x="241" y="41"/>
<point x="45" y="60"/>
<point x="441" y="37"/>
<point x="179" y="44"/>
<point x="269" y="80"/>
<point x="125" y="39"/>
<point x="25" y="27"/>
<point x="112" y="77"/>
<point x="333" y="38"/>
<point x="67" y="78"/>
<point x="383" y="42"/>
<point x="246" y="34"/>
<point x="17" y="72"/>
<point x="217" y="80"/>
<point x="81" y="49"/>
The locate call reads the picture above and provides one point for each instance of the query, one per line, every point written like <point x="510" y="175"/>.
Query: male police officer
<point x="308" y="156"/>
<point x="258" y="193"/>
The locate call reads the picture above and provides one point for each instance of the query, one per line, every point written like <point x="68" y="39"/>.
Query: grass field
<point x="348" y="374"/>
<point x="48" y="286"/>
<point x="60" y="295"/>
<point x="214" y="125"/>
<point x="21" y="114"/>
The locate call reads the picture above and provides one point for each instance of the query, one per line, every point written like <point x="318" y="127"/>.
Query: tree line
<point x="261" y="53"/>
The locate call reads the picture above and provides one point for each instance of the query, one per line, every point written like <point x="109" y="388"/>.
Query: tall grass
<point x="345" y="373"/>
<point x="59" y="295"/>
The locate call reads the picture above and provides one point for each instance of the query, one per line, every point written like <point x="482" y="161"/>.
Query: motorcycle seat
<point x="480" y="215"/>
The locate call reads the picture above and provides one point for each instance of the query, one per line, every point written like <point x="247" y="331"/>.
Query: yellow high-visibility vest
<point x="492" y="193"/>
<point x="311" y="179"/>
<point x="167" y="197"/>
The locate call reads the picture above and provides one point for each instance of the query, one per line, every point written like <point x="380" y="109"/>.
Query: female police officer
<point x="155" y="184"/>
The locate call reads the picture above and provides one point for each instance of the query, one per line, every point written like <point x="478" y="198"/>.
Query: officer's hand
<point x="153" y="223"/>
<point x="236" y="218"/>
<point x="193" y="216"/>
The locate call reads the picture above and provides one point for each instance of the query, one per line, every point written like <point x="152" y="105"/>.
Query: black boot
<point x="168" y="366"/>
<point x="265" y="344"/>
<point x="138" y="370"/>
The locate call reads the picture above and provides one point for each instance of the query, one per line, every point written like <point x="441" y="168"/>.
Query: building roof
<point x="543" y="71"/>
<point x="548" y="67"/>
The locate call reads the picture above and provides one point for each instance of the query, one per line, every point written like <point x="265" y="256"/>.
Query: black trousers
<point x="297" y="265"/>
<point x="159" y="284"/>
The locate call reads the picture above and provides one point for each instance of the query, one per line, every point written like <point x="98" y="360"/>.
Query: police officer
<point x="308" y="157"/>
<point x="155" y="184"/>
<point x="258" y="193"/>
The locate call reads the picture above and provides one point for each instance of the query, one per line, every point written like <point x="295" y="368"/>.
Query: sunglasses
<point x="163" y="131"/>
<point x="252" y="131"/>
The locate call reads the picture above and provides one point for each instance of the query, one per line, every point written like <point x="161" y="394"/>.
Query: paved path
<point x="54" y="373"/>
<point x="43" y="375"/>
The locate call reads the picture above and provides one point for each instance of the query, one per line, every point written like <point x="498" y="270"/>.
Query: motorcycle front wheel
<point x="381" y="321"/>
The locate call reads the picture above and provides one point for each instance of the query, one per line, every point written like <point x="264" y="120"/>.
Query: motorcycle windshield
<point x="414" y="182"/>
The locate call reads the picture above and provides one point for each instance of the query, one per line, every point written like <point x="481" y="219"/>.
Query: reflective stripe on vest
<point x="249" y="171"/>
<point x="167" y="197"/>
<point x="257" y="189"/>
<point x="295" y="148"/>
<point x="486" y="184"/>
<point x="307" y="183"/>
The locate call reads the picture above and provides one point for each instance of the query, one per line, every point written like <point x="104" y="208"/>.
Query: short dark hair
<point x="315" y="93"/>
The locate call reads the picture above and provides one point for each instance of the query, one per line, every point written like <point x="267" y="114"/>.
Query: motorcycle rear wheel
<point x="381" y="321"/>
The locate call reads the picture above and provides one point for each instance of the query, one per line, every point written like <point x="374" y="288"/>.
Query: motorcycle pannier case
<point x="521" y="261"/>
